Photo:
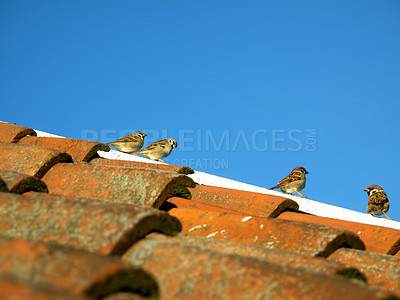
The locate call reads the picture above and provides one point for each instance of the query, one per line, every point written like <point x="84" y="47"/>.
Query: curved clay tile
<point x="11" y="133"/>
<point x="255" y="204"/>
<point x="20" y="183"/>
<point x="299" y="237"/>
<point x="77" y="271"/>
<point x="142" y="187"/>
<point x="80" y="150"/>
<point x="96" y="226"/>
<point x="29" y="160"/>
<point x="187" y="272"/>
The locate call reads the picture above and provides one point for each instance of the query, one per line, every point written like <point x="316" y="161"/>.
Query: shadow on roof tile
<point x="142" y="187"/>
<point x="255" y="204"/>
<point x="382" y="271"/>
<point x="30" y="160"/>
<point x="376" y="238"/>
<point x="80" y="272"/>
<point x="96" y="226"/>
<point x="80" y="150"/>
<point x="299" y="237"/>
<point x="11" y="133"/>
<point x="141" y="165"/>
<point x="187" y="272"/>
<point x="20" y="183"/>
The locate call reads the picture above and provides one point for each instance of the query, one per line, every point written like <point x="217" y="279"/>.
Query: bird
<point x="159" y="149"/>
<point x="378" y="201"/>
<point x="130" y="143"/>
<point x="294" y="182"/>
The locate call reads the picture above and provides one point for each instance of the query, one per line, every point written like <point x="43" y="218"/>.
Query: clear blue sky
<point x="250" y="89"/>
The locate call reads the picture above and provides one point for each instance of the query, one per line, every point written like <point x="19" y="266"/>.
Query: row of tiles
<point x="211" y="213"/>
<point x="152" y="188"/>
<point x="181" y="267"/>
<point x="111" y="228"/>
<point x="107" y="247"/>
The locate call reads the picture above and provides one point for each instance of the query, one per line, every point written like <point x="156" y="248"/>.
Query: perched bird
<point x="378" y="201"/>
<point x="294" y="182"/>
<point x="130" y="143"/>
<point x="159" y="149"/>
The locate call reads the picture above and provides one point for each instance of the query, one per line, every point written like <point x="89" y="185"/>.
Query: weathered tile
<point x="313" y="264"/>
<point x="382" y="271"/>
<point x="142" y="187"/>
<point x="29" y="160"/>
<point x="187" y="272"/>
<point x="377" y="239"/>
<point x="21" y="183"/>
<point x="96" y="226"/>
<point x="80" y="150"/>
<point x="299" y="237"/>
<point x="11" y="133"/>
<point x="255" y="204"/>
<point x="14" y="289"/>
<point x="62" y="268"/>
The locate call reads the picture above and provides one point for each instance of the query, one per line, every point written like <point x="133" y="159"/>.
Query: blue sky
<point x="250" y="89"/>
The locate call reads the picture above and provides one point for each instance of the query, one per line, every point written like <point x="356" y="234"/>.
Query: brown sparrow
<point x="294" y="182"/>
<point x="130" y="143"/>
<point x="159" y="149"/>
<point x="378" y="201"/>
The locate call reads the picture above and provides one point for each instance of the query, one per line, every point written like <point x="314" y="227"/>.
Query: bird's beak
<point x="307" y="172"/>
<point x="365" y="190"/>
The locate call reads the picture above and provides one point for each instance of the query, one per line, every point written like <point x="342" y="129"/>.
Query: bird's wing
<point x="378" y="198"/>
<point x="128" y="138"/>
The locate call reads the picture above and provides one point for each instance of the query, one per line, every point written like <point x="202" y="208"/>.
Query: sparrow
<point x="294" y="182"/>
<point x="159" y="149"/>
<point x="130" y="143"/>
<point x="378" y="201"/>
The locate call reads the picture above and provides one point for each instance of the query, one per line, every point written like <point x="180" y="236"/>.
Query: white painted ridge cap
<point x="305" y="205"/>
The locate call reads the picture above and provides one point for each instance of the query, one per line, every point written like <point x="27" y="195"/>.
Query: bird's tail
<point x="275" y="187"/>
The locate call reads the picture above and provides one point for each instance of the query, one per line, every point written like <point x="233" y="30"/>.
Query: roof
<point x="78" y="220"/>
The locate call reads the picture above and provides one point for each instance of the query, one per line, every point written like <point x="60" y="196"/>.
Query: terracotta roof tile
<point x="383" y="271"/>
<point x="187" y="272"/>
<point x="141" y="187"/>
<point x="80" y="150"/>
<point x="29" y="160"/>
<point x="21" y="183"/>
<point x="62" y="268"/>
<point x="96" y="226"/>
<point x="176" y="202"/>
<point x="255" y="204"/>
<point x="376" y="238"/>
<point x="11" y="133"/>
<point x="290" y="259"/>
<point x="141" y="165"/>
<point x="14" y="289"/>
<point x="299" y="237"/>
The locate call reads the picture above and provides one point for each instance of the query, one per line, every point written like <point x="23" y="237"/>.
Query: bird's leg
<point x="387" y="217"/>
<point x="301" y="195"/>
<point x="161" y="160"/>
<point x="135" y="154"/>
